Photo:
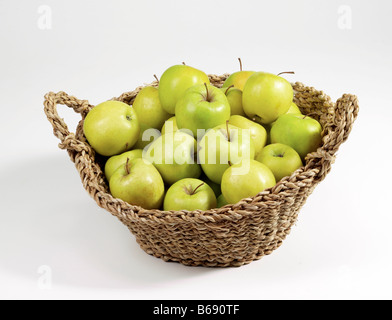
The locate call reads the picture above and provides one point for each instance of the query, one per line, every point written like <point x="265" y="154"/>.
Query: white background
<point x="95" y="50"/>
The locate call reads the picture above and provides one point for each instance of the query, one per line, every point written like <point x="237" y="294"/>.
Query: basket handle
<point x="345" y="113"/>
<point x="68" y="140"/>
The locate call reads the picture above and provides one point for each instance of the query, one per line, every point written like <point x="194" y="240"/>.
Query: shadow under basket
<point x="231" y="236"/>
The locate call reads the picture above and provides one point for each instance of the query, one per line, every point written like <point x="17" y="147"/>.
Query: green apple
<point x="238" y="79"/>
<point x="257" y="131"/>
<point x="293" y="109"/>
<point x="281" y="159"/>
<point x="221" y="201"/>
<point x="146" y="137"/>
<point x="302" y="133"/>
<point x="139" y="183"/>
<point x="266" y="96"/>
<point x="189" y="194"/>
<point x="201" y="108"/>
<point x="245" y="180"/>
<point x="222" y="146"/>
<point x="175" y="81"/>
<point x="173" y="154"/>
<point x="234" y="96"/>
<point x="149" y="110"/>
<point x="111" y="128"/>
<point x="169" y="126"/>
<point x="115" y="162"/>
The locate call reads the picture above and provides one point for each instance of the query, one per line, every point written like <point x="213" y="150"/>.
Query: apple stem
<point x="194" y="191"/>
<point x="155" y="76"/>
<point x="227" y="90"/>
<point x="286" y="72"/>
<point x="208" y="93"/>
<point x="127" y="166"/>
<point x="230" y="164"/>
<point x="184" y="63"/>
<point x="239" y="59"/>
<point x="227" y="129"/>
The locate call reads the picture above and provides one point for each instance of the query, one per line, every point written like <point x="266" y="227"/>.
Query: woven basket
<point x="230" y="236"/>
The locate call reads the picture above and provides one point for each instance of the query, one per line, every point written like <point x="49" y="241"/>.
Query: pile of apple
<point x="188" y="145"/>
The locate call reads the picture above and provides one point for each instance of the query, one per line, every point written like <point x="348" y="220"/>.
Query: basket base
<point x="214" y="262"/>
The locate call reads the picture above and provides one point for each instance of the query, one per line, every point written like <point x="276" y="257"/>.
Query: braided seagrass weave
<point x="230" y="236"/>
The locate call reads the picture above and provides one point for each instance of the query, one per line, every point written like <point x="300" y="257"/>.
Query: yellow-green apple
<point x="149" y="109"/>
<point x="170" y="125"/>
<point x="221" y="201"/>
<point x="245" y="180"/>
<point x="293" y="109"/>
<point x="302" y="133"/>
<point x="234" y="96"/>
<point x="238" y="79"/>
<point x="111" y="128"/>
<point x="115" y="162"/>
<point x="257" y="131"/>
<point x="266" y="96"/>
<point x="173" y="154"/>
<point x="281" y="159"/>
<point x="201" y="108"/>
<point x="175" y="81"/>
<point x="150" y="114"/>
<point x="222" y="146"/>
<point x="139" y="183"/>
<point x="189" y="194"/>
